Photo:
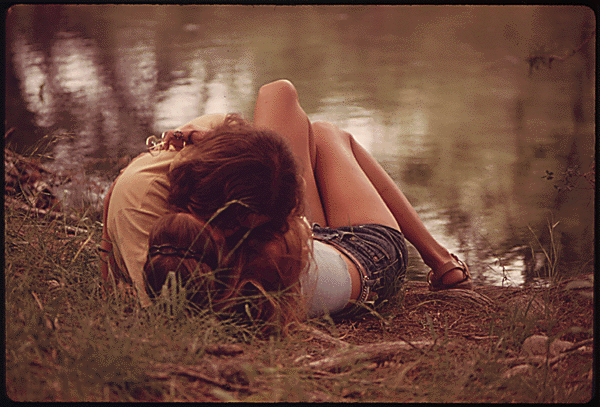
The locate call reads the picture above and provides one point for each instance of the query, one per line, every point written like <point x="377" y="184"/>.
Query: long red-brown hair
<point x="260" y="281"/>
<point x="235" y="171"/>
<point x="237" y="162"/>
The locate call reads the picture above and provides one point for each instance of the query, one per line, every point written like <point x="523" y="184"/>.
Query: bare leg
<point x="348" y="196"/>
<point x="344" y="184"/>
<point x="355" y="187"/>
<point x="277" y="108"/>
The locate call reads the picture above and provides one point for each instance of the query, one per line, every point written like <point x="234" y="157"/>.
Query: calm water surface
<point x="443" y="97"/>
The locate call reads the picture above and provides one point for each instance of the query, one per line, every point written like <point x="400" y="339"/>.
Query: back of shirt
<point x="138" y="200"/>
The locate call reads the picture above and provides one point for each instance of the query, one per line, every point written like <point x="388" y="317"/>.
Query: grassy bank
<point x="67" y="339"/>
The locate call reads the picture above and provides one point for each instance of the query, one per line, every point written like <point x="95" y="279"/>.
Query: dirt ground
<point x="465" y="347"/>
<point x="466" y="317"/>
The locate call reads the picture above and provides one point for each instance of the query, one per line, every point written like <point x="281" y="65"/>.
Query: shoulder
<point x="147" y="164"/>
<point x="144" y="171"/>
<point x="142" y="187"/>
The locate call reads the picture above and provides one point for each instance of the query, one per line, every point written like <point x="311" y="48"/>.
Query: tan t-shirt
<point x="138" y="200"/>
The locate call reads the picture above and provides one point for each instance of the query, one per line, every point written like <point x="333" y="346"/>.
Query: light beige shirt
<point x="138" y="200"/>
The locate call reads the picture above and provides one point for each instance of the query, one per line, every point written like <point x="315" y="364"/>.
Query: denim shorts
<point x="380" y="255"/>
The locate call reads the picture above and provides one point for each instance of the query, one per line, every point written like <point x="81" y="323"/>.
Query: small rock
<point x="558" y="346"/>
<point x="54" y="284"/>
<point x="520" y="369"/>
<point x="538" y="345"/>
<point x="535" y="345"/>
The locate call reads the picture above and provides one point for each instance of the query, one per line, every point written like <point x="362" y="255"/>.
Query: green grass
<point x="68" y="339"/>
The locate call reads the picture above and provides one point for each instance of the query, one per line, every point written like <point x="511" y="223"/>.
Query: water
<point x="443" y="97"/>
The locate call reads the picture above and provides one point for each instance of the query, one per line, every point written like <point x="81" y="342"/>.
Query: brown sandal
<point x="436" y="284"/>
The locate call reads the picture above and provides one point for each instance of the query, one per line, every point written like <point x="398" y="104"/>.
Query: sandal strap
<point x="449" y="266"/>
<point x="439" y="274"/>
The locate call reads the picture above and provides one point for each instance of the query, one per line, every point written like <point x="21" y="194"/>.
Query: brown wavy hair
<point x="181" y="243"/>
<point x="237" y="162"/>
<point x="235" y="171"/>
<point x="259" y="282"/>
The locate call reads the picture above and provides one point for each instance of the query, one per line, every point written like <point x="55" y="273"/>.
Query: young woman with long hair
<point x="236" y="241"/>
<point x="247" y="175"/>
<point x="355" y="255"/>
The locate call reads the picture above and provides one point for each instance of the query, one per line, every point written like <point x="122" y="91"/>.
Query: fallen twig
<point x="480" y="338"/>
<point x="81" y="248"/>
<point x="364" y="353"/>
<point x="322" y="335"/>
<point x="39" y="212"/>
<point x="578" y="345"/>
<point x="37" y="300"/>
<point x="166" y="370"/>
<point x="537" y="360"/>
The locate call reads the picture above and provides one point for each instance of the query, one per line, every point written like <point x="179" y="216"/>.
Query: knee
<point x="323" y="127"/>
<point x="282" y="91"/>
<point x="325" y="132"/>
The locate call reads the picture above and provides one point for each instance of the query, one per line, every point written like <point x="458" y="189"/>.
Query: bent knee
<point x="281" y="90"/>
<point x="325" y="132"/>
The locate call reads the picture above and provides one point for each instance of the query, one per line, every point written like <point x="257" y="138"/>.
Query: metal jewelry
<point x="154" y="144"/>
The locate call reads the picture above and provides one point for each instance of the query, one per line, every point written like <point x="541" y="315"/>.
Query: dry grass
<point x="67" y="340"/>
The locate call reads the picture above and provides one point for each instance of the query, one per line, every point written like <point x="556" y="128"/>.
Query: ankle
<point x="437" y="259"/>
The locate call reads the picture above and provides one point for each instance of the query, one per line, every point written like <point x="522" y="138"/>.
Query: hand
<point x="179" y="138"/>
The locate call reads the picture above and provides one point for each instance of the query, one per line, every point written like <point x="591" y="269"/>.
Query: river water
<point x="444" y="97"/>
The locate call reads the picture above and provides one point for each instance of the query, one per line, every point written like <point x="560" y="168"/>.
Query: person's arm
<point x="133" y="249"/>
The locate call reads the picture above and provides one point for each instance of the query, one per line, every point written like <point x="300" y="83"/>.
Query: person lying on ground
<point x="354" y="253"/>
